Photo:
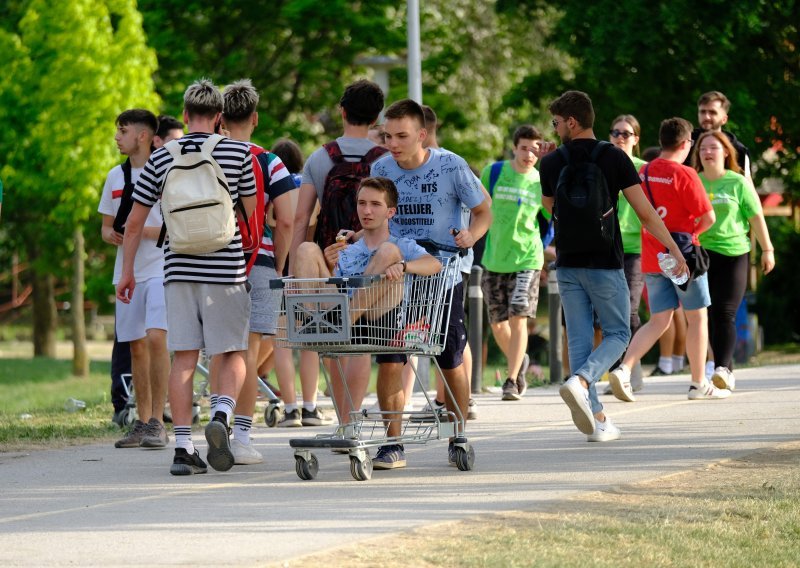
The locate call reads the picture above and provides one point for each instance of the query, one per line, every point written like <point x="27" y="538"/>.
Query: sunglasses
<point x="617" y="133"/>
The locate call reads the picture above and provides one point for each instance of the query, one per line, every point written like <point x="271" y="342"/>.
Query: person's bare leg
<point x="646" y="337"/>
<point x="565" y="369"/>
<point x="159" y="371"/>
<point x="517" y="344"/>
<point x="309" y="375"/>
<point x="408" y="379"/>
<point x="502" y="333"/>
<point x="232" y="373"/>
<point x="390" y="395"/>
<point x="459" y="386"/>
<point x="180" y="386"/>
<point x="381" y="295"/>
<point x="246" y="399"/>
<point x="140" y="368"/>
<point x="697" y="342"/>
<point x="348" y="391"/>
<point x="667" y="341"/>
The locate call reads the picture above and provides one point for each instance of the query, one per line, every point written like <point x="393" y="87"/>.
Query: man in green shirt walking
<point x="513" y="256"/>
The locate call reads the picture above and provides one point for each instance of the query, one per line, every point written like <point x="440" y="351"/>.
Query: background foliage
<point x="67" y="70"/>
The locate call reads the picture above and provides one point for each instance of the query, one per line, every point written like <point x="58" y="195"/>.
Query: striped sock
<point x="183" y="438"/>
<point x="225" y="404"/>
<point x="241" y="431"/>
<point x="213" y="399"/>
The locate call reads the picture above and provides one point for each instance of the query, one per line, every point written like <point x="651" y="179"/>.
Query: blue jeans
<point x="606" y="292"/>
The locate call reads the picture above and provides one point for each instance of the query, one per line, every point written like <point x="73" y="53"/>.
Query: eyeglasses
<point x="690" y="141"/>
<point x="555" y="123"/>
<point x="624" y="133"/>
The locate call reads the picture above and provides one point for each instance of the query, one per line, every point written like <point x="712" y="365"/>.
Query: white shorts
<point x="214" y="317"/>
<point x="147" y="310"/>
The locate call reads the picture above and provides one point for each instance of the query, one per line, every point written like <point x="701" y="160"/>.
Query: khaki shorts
<point x="214" y="317"/>
<point x="510" y="294"/>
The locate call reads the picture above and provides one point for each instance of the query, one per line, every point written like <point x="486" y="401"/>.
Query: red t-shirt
<point x="678" y="197"/>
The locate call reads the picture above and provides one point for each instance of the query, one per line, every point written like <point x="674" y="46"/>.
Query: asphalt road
<point x="96" y="505"/>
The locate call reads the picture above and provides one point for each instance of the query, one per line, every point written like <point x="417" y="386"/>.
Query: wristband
<point x="402" y="263"/>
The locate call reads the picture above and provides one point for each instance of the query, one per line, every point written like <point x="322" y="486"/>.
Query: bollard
<point x="475" y="335"/>
<point x="554" y="313"/>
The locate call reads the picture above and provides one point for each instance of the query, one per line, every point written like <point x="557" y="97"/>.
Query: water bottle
<point x="74" y="405"/>
<point x="667" y="263"/>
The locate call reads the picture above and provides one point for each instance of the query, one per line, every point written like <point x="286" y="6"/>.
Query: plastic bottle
<point x="667" y="263"/>
<point x="74" y="405"/>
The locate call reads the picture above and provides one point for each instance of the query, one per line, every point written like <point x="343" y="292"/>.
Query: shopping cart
<point x="347" y="316"/>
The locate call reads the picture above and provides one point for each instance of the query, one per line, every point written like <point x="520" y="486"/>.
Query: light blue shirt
<point x="431" y="196"/>
<point x="354" y="259"/>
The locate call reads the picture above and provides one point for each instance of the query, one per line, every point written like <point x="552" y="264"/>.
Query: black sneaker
<point x="510" y="391"/>
<point x="315" y="418"/>
<point x="185" y="464"/>
<point x="219" y="455"/>
<point x="451" y="454"/>
<point x="291" y="419"/>
<point x="522" y="381"/>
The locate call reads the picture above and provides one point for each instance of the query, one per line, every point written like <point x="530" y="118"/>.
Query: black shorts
<point x="453" y="353"/>
<point x="380" y="331"/>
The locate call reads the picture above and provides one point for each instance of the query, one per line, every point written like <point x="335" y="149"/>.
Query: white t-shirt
<point x="149" y="262"/>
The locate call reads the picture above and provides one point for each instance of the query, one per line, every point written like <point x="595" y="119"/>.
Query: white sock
<point x="225" y="404"/>
<point x="183" y="438"/>
<point x="241" y="430"/>
<point x="309" y="406"/>
<point x="290" y="407"/>
<point x="709" y="368"/>
<point x="213" y="400"/>
<point x="678" y="363"/>
<point x="665" y="364"/>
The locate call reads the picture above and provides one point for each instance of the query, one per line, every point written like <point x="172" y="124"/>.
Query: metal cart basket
<point x="346" y="316"/>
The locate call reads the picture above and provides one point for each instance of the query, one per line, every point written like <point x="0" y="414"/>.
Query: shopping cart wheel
<point x="273" y="414"/>
<point x="361" y="468"/>
<point x="465" y="457"/>
<point x="128" y="416"/>
<point x="306" y="468"/>
<point x="195" y="413"/>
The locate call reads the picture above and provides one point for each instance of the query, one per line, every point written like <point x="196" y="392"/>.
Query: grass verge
<point x="743" y="512"/>
<point x="33" y="393"/>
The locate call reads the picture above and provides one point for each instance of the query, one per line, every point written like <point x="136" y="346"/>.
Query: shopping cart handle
<point x="433" y="248"/>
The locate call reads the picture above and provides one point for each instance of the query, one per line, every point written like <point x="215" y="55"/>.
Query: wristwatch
<point x="403" y="262"/>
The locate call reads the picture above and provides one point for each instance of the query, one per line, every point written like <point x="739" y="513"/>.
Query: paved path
<point x="94" y="505"/>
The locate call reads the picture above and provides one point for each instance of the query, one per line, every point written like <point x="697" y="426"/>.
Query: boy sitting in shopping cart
<point x="376" y="252"/>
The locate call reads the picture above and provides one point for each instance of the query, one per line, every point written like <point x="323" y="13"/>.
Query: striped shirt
<point x="280" y="182"/>
<point x="225" y="266"/>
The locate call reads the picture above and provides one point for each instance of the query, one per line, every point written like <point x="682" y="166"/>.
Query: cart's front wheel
<point x="273" y="414"/>
<point x="361" y="469"/>
<point x="306" y="468"/>
<point x="465" y="458"/>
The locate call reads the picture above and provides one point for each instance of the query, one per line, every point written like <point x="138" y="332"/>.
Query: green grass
<point x="33" y="393"/>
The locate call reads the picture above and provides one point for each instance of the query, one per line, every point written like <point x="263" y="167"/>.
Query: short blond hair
<point x="202" y="98"/>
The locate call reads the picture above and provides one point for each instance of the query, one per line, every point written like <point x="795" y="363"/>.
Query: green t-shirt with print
<point x="630" y="226"/>
<point x="513" y="242"/>
<point x="734" y="202"/>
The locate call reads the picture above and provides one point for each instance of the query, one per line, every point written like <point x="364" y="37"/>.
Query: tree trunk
<point x="45" y="319"/>
<point x="80" y="357"/>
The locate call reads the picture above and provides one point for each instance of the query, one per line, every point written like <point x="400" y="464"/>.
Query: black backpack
<point x="584" y="215"/>
<point x="126" y="201"/>
<point x="338" y="207"/>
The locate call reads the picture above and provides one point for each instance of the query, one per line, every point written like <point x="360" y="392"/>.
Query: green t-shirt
<point x="513" y="242"/>
<point x="630" y="226"/>
<point x="734" y="202"/>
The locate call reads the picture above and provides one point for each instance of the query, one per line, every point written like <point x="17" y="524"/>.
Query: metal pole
<point x="554" y="313"/>
<point x="414" y="58"/>
<point x="475" y="335"/>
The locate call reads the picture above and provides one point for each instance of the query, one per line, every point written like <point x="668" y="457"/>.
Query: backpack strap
<point x="647" y="187"/>
<point x="599" y="149"/>
<point x="373" y="154"/>
<point x="564" y="154"/>
<point x="126" y="201"/>
<point x="334" y="152"/>
<point x="494" y="175"/>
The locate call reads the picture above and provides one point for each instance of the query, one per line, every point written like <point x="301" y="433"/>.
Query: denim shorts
<point x="663" y="295"/>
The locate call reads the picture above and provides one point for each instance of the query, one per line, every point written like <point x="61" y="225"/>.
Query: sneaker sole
<point x="285" y="424"/>
<point x="220" y="456"/>
<point x="385" y="465"/>
<point x="603" y="437"/>
<point x="583" y="421"/>
<point x="184" y="469"/>
<point x="247" y="460"/>
<point x="618" y="389"/>
<point x="316" y="422"/>
<point x="511" y="397"/>
<point x="154" y="443"/>
<point x="720" y="382"/>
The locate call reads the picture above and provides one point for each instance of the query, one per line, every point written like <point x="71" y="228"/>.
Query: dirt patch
<point x="751" y="501"/>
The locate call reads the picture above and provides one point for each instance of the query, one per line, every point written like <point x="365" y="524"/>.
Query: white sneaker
<point x="604" y="431"/>
<point x="620" y="381"/>
<point x="577" y="399"/>
<point x="723" y="378"/>
<point x="245" y="454"/>
<point x="707" y="391"/>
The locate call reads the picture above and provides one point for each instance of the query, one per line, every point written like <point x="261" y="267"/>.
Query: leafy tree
<point x="64" y="76"/>
<point x="299" y="54"/>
